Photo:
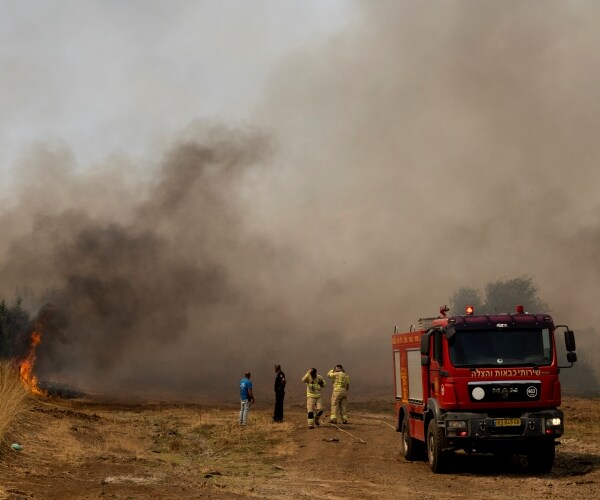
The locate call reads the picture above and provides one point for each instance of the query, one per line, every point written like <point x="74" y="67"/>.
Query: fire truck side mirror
<point x="425" y="359"/>
<point x="570" y="345"/>
<point x="569" y="340"/>
<point x="425" y="344"/>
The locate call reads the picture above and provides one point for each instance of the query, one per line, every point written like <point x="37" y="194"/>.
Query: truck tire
<point x="503" y="458"/>
<point x="540" y="457"/>
<point x="411" y="447"/>
<point x="436" y="442"/>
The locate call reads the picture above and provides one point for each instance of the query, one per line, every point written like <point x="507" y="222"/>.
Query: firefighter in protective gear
<point x="314" y="384"/>
<point x="339" y="397"/>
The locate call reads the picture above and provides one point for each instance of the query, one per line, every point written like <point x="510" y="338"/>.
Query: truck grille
<point x="485" y="392"/>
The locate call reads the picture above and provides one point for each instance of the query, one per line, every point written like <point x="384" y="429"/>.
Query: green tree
<point x="502" y="296"/>
<point x="13" y="320"/>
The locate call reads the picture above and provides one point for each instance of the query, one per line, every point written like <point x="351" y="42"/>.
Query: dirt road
<point x="349" y="469"/>
<point x="98" y="449"/>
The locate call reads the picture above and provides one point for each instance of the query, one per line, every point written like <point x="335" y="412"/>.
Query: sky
<point x="209" y="187"/>
<point x="110" y="77"/>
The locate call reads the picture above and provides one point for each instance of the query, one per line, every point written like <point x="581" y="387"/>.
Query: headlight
<point x="456" y="424"/>
<point x="553" y="422"/>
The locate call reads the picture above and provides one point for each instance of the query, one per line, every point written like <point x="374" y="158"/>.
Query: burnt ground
<point x="93" y="448"/>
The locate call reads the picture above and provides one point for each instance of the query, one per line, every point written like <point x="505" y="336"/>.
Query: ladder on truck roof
<point x="426" y="323"/>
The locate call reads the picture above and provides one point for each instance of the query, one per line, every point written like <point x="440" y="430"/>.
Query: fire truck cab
<point x="480" y="383"/>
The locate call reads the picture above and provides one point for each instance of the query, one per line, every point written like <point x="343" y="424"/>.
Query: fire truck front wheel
<point x="411" y="447"/>
<point x="436" y="444"/>
<point x="540" y="456"/>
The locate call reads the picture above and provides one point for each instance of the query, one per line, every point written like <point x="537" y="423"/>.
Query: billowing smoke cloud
<point x="154" y="270"/>
<point x="448" y="144"/>
<point x="428" y="147"/>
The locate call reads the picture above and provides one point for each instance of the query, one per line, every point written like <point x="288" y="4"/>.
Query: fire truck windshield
<point x="473" y="348"/>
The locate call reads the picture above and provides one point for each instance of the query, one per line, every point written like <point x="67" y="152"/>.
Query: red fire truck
<point x="480" y="383"/>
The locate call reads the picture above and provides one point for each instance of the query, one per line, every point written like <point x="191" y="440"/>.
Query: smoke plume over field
<point x="428" y="146"/>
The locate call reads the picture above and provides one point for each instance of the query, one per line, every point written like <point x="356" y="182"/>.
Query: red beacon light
<point x="469" y="310"/>
<point x="520" y="310"/>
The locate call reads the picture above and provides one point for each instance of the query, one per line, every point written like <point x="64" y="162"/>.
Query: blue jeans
<point x="244" y="409"/>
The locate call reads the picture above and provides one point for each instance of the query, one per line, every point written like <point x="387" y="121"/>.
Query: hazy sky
<point x="206" y="186"/>
<point x="111" y="77"/>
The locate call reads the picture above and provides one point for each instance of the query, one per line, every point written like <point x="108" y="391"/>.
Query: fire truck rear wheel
<point x="540" y="457"/>
<point x="436" y="442"/>
<point x="411" y="447"/>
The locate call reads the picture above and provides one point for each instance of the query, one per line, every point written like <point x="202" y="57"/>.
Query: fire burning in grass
<point x="47" y="326"/>
<point x="26" y="366"/>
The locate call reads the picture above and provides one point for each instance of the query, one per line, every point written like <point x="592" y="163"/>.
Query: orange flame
<point x="26" y="366"/>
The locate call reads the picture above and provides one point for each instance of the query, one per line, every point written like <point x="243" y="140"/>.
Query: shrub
<point x="13" y="397"/>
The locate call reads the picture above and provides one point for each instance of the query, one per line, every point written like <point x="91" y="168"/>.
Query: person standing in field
<point x="314" y="384"/>
<point x="246" y="398"/>
<point x="339" y="397"/>
<point x="279" y="394"/>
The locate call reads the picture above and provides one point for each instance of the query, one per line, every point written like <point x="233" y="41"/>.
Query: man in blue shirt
<point x="246" y="398"/>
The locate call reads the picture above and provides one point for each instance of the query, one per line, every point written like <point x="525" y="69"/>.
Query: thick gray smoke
<point x="151" y="271"/>
<point x="430" y="146"/>
<point x="447" y="144"/>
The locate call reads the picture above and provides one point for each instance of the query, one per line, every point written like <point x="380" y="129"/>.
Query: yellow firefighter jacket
<point x="313" y="386"/>
<point x="341" y="381"/>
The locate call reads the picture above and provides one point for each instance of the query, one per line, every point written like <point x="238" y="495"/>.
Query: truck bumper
<point x="490" y="432"/>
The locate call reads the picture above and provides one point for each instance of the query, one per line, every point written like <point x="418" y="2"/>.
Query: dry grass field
<point x="97" y="448"/>
<point x="14" y="399"/>
<point x="81" y="448"/>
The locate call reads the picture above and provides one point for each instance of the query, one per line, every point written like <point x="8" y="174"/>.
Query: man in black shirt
<point x="279" y="394"/>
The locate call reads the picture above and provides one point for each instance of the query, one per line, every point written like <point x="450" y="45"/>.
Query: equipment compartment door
<point x="397" y="373"/>
<point x="415" y="385"/>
